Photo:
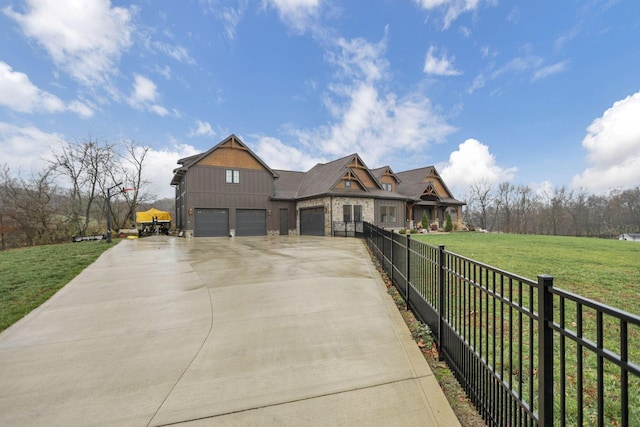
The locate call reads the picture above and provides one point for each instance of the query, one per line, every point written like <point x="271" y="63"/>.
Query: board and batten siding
<point x="400" y="213"/>
<point x="207" y="188"/>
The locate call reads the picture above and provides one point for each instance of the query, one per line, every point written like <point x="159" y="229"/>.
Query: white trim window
<point x="232" y="176"/>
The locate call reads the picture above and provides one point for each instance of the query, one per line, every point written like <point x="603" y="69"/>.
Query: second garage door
<point x="251" y="222"/>
<point x="312" y="221"/>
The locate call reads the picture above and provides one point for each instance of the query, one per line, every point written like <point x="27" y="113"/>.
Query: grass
<point x="603" y="270"/>
<point x="30" y="276"/>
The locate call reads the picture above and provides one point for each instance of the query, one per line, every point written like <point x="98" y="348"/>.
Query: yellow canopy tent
<point x="143" y="217"/>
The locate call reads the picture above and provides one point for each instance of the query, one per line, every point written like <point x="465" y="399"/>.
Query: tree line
<point x="510" y="208"/>
<point x="67" y="196"/>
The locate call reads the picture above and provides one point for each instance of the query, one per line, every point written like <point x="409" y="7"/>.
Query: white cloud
<point x="359" y="59"/>
<point x="613" y="148"/>
<point x="18" y="93"/>
<point x="159" y="110"/>
<point x="202" y="129"/>
<point x="281" y="156"/>
<point x="230" y="14"/>
<point x="297" y="14"/>
<point x="85" y="39"/>
<point x="144" y="90"/>
<point x="27" y="147"/>
<point x="367" y="118"/>
<point x="478" y="83"/>
<point x="548" y="70"/>
<point x="80" y="108"/>
<point x="144" y="96"/>
<point x="177" y="52"/>
<point x="441" y="66"/>
<point x="473" y="163"/>
<point x="453" y="8"/>
<point x="159" y="165"/>
<point x="527" y="67"/>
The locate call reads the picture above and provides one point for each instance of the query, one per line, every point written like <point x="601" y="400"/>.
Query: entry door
<point x="284" y="222"/>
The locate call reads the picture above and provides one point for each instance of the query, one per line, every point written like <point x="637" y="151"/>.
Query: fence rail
<point x="526" y="353"/>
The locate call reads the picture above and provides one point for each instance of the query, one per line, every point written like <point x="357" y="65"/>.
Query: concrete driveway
<point x="216" y="332"/>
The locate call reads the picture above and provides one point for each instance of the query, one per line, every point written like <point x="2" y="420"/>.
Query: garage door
<point x="211" y="222"/>
<point x="312" y="221"/>
<point x="251" y="222"/>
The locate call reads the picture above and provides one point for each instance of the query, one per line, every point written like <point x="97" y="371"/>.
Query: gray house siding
<point x="274" y="220"/>
<point x="390" y="213"/>
<point x="207" y="188"/>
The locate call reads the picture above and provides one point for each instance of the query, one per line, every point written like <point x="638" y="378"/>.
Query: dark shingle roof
<point x="379" y="172"/>
<point x="413" y="184"/>
<point x="286" y="186"/>
<point x="323" y="177"/>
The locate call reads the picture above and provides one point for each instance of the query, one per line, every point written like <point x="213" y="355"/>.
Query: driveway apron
<point x="271" y="331"/>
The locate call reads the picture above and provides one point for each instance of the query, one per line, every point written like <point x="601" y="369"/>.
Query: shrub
<point x="425" y="220"/>
<point x="449" y="226"/>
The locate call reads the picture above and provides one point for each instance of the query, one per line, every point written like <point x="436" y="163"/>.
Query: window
<point x="232" y="176"/>
<point x="346" y="213"/>
<point x="357" y="213"/>
<point x="387" y="214"/>
<point x="347" y="183"/>
<point x="387" y="187"/>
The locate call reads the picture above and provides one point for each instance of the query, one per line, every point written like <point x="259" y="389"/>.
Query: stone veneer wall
<point x="368" y="211"/>
<point x="333" y="209"/>
<point x="314" y="203"/>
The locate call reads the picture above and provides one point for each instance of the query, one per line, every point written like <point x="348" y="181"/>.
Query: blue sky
<point x="539" y="93"/>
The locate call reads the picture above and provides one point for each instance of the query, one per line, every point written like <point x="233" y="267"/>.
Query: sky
<point x="542" y="93"/>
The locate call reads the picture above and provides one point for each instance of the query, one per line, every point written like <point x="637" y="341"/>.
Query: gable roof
<point x="230" y="141"/>
<point x="385" y="170"/>
<point x="323" y="177"/>
<point x="417" y="182"/>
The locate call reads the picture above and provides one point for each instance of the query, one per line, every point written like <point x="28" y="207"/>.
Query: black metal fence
<point x="347" y="228"/>
<point x="526" y="353"/>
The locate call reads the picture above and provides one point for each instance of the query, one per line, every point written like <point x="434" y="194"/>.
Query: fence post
<point x="408" y="272"/>
<point x="441" y="294"/>
<point x="545" y="351"/>
<point x="391" y="258"/>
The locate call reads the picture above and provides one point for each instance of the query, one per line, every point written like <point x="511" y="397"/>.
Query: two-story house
<point x="229" y="191"/>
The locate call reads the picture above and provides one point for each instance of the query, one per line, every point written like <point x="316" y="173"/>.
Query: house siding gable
<point x="231" y="156"/>
<point x="437" y="184"/>
<point x="389" y="179"/>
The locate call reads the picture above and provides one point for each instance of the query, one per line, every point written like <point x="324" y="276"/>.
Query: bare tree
<point x="86" y="165"/>
<point x="7" y="222"/>
<point x="576" y="206"/>
<point x="28" y="204"/>
<point x="506" y="200"/>
<point x="481" y="194"/>
<point x="131" y="174"/>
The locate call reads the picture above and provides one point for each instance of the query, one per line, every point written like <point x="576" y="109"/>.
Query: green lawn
<point x="603" y="270"/>
<point x="600" y="269"/>
<point x="30" y="276"/>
